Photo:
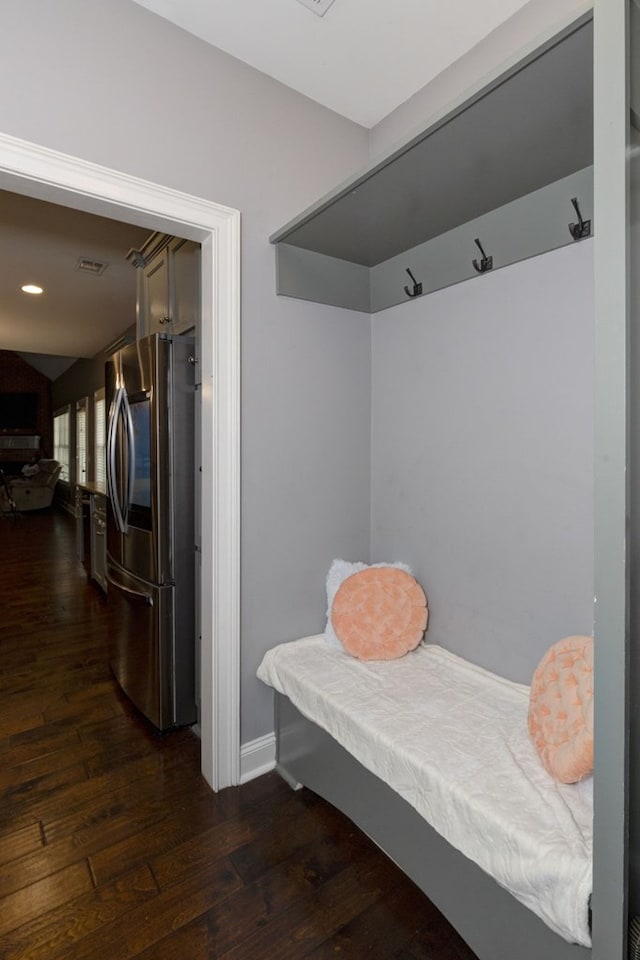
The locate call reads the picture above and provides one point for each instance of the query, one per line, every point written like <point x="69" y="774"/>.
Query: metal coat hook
<point x="417" y="287"/>
<point x="582" y="228"/>
<point x="486" y="263"/>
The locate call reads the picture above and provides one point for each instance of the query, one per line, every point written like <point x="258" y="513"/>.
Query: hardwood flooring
<point x="111" y="844"/>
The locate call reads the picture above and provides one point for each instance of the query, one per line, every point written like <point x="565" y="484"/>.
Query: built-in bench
<point x="431" y="757"/>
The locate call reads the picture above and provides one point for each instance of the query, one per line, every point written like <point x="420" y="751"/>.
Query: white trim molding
<point x="36" y="171"/>
<point x="257" y="757"/>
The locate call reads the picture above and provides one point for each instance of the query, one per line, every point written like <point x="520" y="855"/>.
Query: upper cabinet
<point x="168" y="285"/>
<point x="502" y="168"/>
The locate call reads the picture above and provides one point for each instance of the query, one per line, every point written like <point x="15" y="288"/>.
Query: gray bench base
<point x="494" y="924"/>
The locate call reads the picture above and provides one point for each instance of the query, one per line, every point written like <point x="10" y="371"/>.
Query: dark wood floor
<point x="111" y="844"/>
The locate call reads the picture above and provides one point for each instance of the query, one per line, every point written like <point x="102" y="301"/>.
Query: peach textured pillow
<point x="561" y="709"/>
<point x="379" y="613"/>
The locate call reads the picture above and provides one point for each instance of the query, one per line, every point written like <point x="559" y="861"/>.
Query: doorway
<point x="35" y="171"/>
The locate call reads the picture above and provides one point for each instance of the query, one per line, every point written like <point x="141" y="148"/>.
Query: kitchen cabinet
<point x="98" y="539"/>
<point x="83" y="533"/>
<point x="91" y="525"/>
<point x="168" y="285"/>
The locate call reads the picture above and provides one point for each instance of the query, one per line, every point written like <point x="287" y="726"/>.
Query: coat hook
<point x="417" y="287"/>
<point x="486" y="263"/>
<point x="582" y="228"/>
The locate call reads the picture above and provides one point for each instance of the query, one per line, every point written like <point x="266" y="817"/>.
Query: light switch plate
<point x="318" y="6"/>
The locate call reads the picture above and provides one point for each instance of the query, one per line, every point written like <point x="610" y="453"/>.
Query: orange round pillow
<point x="379" y="613"/>
<point x="561" y="709"/>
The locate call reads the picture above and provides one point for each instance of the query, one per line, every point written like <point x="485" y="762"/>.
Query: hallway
<point x="112" y="845"/>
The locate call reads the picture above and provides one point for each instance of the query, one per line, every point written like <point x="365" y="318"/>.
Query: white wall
<point x="482" y="422"/>
<point x="482" y="456"/>
<point x="114" y="84"/>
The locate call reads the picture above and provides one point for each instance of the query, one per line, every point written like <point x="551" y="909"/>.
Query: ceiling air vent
<point x="318" y="6"/>
<point x="94" y="268"/>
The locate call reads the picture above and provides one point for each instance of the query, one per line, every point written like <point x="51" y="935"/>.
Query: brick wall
<point x="17" y="376"/>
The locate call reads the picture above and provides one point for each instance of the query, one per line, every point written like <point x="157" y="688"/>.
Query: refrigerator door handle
<point x="114" y="415"/>
<point x="131" y="453"/>
<point x="140" y="595"/>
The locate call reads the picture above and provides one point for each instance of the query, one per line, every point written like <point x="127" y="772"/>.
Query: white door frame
<point x="36" y="171"/>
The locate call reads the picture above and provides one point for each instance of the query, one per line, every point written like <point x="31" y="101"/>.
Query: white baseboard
<point x="257" y="757"/>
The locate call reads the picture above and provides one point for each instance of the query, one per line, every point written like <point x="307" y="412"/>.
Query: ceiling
<point x="79" y="313"/>
<point x="362" y="58"/>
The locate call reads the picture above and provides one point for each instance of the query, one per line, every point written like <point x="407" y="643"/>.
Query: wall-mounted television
<point x="18" y="411"/>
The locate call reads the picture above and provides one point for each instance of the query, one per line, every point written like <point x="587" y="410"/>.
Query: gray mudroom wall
<point x="482" y="422"/>
<point x="117" y="85"/>
<point x="482" y="456"/>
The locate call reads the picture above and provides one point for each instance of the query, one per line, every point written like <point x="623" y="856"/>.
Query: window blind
<point x="61" y="446"/>
<point x="99" y="434"/>
<point x="81" y="441"/>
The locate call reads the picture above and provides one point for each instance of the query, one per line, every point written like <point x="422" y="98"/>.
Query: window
<point x="61" y="441"/>
<point x="99" y="433"/>
<point x="81" y="441"/>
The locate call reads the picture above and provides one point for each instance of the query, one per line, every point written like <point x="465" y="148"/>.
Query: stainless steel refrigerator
<point x="150" y="396"/>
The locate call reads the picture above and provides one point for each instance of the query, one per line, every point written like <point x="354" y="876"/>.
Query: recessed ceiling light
<point x="31" y="288"/>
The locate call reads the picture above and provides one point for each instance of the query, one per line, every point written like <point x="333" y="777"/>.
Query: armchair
<point x="33" y="493"/>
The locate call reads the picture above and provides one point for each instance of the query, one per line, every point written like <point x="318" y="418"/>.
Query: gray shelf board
<point x="530" y="128"/>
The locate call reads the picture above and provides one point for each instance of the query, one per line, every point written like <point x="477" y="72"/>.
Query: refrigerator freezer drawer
<point x="157" y="677"/>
